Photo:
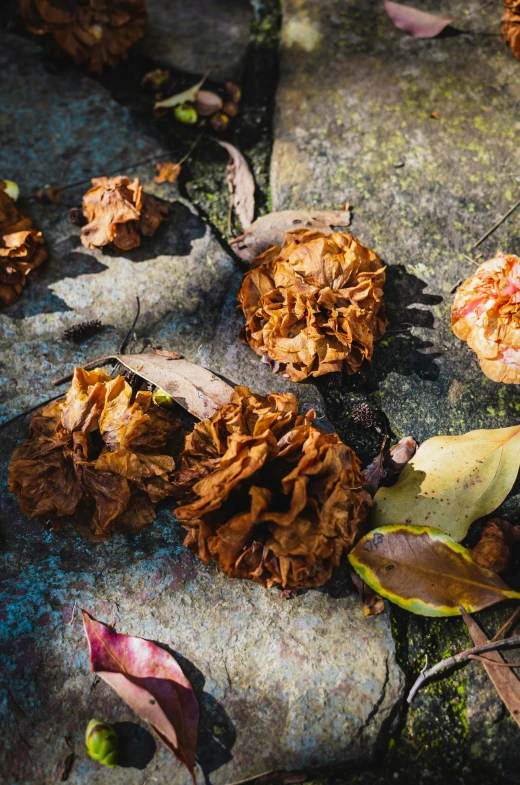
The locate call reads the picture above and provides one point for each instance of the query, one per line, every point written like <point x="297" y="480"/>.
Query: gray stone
<point x="293" y="683"/>
<point x="198" y="35"/>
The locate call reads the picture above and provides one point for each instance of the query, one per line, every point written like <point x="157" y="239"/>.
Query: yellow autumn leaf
<point x="451" y="481"/>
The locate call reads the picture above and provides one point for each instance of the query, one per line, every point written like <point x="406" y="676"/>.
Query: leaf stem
<point x="460" y="657"/>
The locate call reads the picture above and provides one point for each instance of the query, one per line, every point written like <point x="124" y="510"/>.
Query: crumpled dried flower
<point x="269" y="496"/>
<point x="314" y="305"/>
<point x="495" y="547"/>
<point x="486" y="314"/>
<point x="510" y="28"/>
<point x="119" y="212"/>
<point x="102" y="454"/>
<point x="93" y="32"/>
<point x="22" y="249"/>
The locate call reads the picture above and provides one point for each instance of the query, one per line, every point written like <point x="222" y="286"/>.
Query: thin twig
<point x="460" y="657"/>
<point x="254" y="777"/>
<point x="93" y="364"/>
<point x="32" y="409"/>
<point x="126" y="339"/>
<point x="498" y="223"/>
<point x="476" y="10"/>
<point x="465" y="255"/>
<point x="494" y="662"/>
<point x="192" y="148"/>
<point x="505" y="627"/>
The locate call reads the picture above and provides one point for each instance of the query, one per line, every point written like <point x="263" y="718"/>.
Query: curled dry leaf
<point x="315" y="305"/>
<point x="494" y="549"/>
<point x="185" y="96"/>
<point x="22" y="248"/>
<point x="269" y="496"/>
<point x="269" y="230"/>
<point x="504" y="680"/>
<point x="151" y="682"/>
<point x="401" y="454"/>
<point x="511" y="26"/>
<point x="167" y="172"/>
<point x="418" y="23"/>
<point x="375" y="471"/>
<point x="452" y="480"/>
<point x="486" y="314"/>
<point x="119" y="212"/>
<point x="191" y="386"/>
<point x="93" y="33"/>
<point x="426" y="572"/>
<point x="103" y="454"/>
<point x="241" y="185"/>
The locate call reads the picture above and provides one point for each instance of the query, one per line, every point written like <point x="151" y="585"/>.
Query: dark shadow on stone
<point x="217" y="734"/>
<point x="136" y="745"/>
<point x="174" y="237"/>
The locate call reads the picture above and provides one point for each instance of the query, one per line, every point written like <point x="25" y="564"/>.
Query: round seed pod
<point x="186" y="114"/>
<point x="161" y="398"/>
<point x="102" y="743"/>
<point x="219" y="122"/>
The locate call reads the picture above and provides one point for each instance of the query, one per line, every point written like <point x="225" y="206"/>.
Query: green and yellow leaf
<point x="426" y="572"/>
<point x="451" y="481"/>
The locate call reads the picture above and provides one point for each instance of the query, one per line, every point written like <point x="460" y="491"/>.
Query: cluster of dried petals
<point x="486" y="314"/>
<point x="511" y="26"/>
<point x="118" y="211"/>
<point x="94" y="33"/>
<point x="22" y="249"/>
<point x="269" y="496"/>
<point x="102" y="455"/>
<point x="314" y="305"/>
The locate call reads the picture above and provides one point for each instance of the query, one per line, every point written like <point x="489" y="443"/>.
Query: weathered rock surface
<point x="293" y="683"/>
<point x="354" y="124"/>
<point x="198" y="35"/>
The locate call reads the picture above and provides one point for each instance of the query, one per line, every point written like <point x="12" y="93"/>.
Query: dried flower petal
<point x="269" y="496"/>
<point x="314" y="305"/>
<point x="494" y="549"/>
<point x="93" y="32"/>
<point x="486" y="314"/>
<point x="118" y="211"/>
<point x="511" y="25"/>
<point x="22" y="248"/>
<point x="102" y="454"/>
<point x="167" y="172"/>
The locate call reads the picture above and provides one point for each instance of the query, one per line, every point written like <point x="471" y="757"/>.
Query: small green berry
<point x="102" y="743"/>
<point x="11" y="189"/>
<point x="161" y="398"/>
<point x="186" y="114"/>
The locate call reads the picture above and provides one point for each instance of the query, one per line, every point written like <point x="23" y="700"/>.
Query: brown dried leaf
<point x="167" y="172"/>
<point x="401" y="453"/>
<point x="241" y="185"/>
<point x="22" y="249"/>
<point x="270" y="230"/>
<point x="193" y="387"/>
<point x="93" y="33"/>
<point x="119" y="212"/>
<point x="494" y="549"/>
<point x="504" y="680"/>
<point x="511" y="26"/>
<point x="375" y="471"/>
<point x="315" y="305"/>
<point x="48" y="194"/>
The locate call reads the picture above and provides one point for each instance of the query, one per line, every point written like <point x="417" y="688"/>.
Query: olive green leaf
<point x="451" y="481"/>
<point x="425" y="571"/>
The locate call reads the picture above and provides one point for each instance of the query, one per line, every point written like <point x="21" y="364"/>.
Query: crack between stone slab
<point x="375" y="709"/>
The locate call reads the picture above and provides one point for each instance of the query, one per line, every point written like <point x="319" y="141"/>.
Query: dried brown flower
<point x="119" y="212"/>
<point x="22" y="249"/>
<point x="93" y="33"/>
<point x="486" y="314"/>
<point x="495" y="547"/>
<point x="511" y="26"/>
<point x="167" y="172"/>
<point x="102" y="454"/>
<point x="314" y="305"/>
<point x="269" y="496"/>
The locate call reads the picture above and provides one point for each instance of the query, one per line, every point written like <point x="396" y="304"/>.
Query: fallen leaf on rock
<point x="401" y="454"/>
<point x="22" y="247"/>
<point x="269" y="496"/>
<point x="418" y="23"/>
<point x="494" y="549"/>
<point x="119" y="211"/>
<point x="192" y="386"/>
<point x="504" y="680"/>
<point x="426" y="572"/>
<point x="452" y="480"/>
<point x="167" y="172"/>
<point x="241" y="185"/>
<point x="269" y="230"/>
<point x="94" y="33"/>
<point x="511" y="26"/>
<point x="185" y="96"/>
<point x="151" y="682"/>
